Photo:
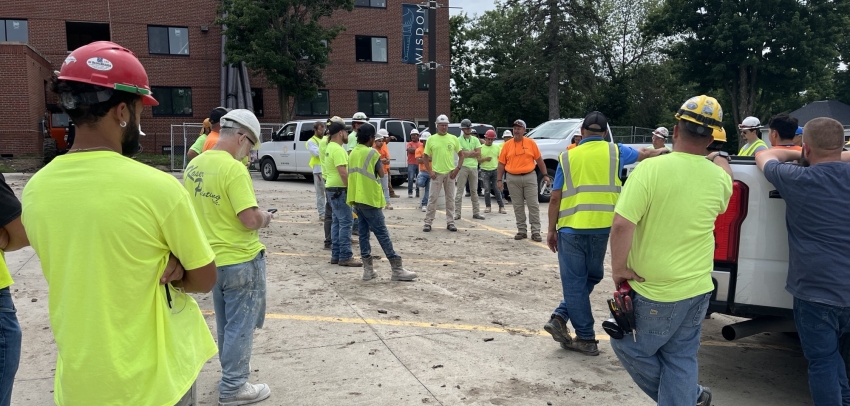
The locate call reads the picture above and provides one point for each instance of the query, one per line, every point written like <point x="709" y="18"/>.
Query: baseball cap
<point x="661" y="132"/>
<point x="217" y="113"/>
<point x="520" y="123"/>
<point x="750" y="123"/>
<point x="595" y="121"/>
<point x="799" y="131"/>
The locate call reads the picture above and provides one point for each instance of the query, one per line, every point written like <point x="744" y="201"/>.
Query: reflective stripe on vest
<point x="364" y="170"/>
<point x="590" y="206"/>
<point x="751" y="149"/>
<point x="313" y="159"/>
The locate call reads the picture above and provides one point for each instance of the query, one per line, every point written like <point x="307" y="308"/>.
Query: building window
<point x="82" y="33"/>
<point x="257" y="101"/>
<point x="318" y="107"/>
<point x="371" y="49"/>
<point x="422" y="77"/>
<point x="371" y="3"/>
<point x="173" y="101"/>
<point x="168" y="40"/>
<point x="14" y="30"/>
<point x="373" y="103"/>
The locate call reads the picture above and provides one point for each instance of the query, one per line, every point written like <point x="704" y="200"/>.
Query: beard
<point x="130" y="139"/>
<point x="345" y="138"/>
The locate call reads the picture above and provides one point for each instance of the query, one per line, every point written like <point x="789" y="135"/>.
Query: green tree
<point x="283" y="40"/>
<point x="755" y="51"/>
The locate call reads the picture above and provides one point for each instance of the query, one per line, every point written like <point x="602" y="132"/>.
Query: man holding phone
<point x="223" y="195"/>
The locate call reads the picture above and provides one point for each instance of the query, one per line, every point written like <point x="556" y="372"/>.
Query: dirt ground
<point x="467" y="332"/>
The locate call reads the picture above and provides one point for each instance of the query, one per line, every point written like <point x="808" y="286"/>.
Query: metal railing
<point x="184" y="135"/>
<point x="632" y="134"/>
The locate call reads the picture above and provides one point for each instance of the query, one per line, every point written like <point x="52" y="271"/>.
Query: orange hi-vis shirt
<point x="212" y="139"/>
<point x="420" y="152"/>
<point x="520" y="157"/>
<point x="385" y="154"/>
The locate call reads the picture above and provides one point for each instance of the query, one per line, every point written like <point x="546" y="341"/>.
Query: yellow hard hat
<point x="719" y="134"/>
<point x="703" y="114"/>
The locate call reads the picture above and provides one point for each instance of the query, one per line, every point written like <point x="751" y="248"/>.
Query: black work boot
<point x="704" y="397"/>
<point x="557" y="327"/>
<point x="586" y="347"/>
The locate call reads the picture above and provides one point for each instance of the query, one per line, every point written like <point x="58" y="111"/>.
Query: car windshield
<point x="553" y="130"/>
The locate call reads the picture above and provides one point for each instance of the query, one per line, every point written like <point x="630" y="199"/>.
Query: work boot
<point x="457" y="216"/>
<point x="704" y="397"/>
<point x="351" y="262"/>
<point x="334" y="260"/>
<point x="520" y="236"/>
<point x="451" y="227"/>
<point x="478" y="217"/>
<point x="502" y="210"/>
<point x="399" y="273"/>
<point x="536" y="237"/>
<point x="247" y="394"/>
<point x="426" y="228"/>
<point x="424" y="209"/>
<point x="487" y="209"/>
<point x="557" y="327"/>
<point x="368" y="271"/>
<point x="586" y="347"/>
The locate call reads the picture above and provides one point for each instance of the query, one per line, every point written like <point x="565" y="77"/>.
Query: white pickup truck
<point x="287" y="151"/>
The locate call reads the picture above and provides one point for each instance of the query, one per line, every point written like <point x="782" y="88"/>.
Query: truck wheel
<point x="269" y="169"/>
<point x="544" y="191"/>
<point x="397" y="181"/>
<point x="49" y="150"/>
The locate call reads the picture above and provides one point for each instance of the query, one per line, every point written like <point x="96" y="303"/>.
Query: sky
<point x="470" y="7"/>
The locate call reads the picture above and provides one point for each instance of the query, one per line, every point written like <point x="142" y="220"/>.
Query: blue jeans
<point x="412" y="174"/>
<point x="581" y="259"/>
<point x="663" y="361"/>
<point x="239" y="299"/>
<point x="10" y="346"/>
<point x="372" y="218"/>
<point x="424" y="180"/>
<point x="820" y="327"/>
<point x="341" y="225"/>
<point x="488" y="180"/>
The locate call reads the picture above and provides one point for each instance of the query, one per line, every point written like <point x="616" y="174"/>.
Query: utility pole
<point x="432" y="65"/>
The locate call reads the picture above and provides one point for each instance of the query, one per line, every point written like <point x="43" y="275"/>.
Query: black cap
<point x="595" y="121"/>
<point x="217" y="114"/>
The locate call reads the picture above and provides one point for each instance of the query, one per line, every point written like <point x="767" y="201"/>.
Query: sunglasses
<point x="249" y="139"/>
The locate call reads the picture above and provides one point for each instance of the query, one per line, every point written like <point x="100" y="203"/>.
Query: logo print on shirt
<point x="197" y="176"/>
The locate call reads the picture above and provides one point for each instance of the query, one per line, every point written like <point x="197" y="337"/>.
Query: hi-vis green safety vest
<point x="751" y="149"/>
<point x="591" y="185"/>
<point x="314" y="160"/>
<point x="364" y="186"/>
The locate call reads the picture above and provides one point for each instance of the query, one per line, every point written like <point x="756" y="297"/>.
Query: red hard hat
<point x="110" y="65"/>
<point x="490" y="134"/>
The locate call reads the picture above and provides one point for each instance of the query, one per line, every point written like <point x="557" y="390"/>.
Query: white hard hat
<point x="381" y="134"/>
<point x="750" y="123"/>
<point x="661" y="132"/>
<point x="359" y="117"/>
<point x="244" y="118"/>
<point x="414" y="131"/>
<point x="424" y="135"/>
<point x="507" y="134"/>
<point x="442" y="119"/>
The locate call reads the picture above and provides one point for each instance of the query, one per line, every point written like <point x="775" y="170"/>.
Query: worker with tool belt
<point x="586" y="187"/>
<point x="673" y="198"/>
<point x="367" y="197"/>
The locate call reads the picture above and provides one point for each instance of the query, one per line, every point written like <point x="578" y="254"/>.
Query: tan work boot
<point x="399" y="273"/>
<point x="350" y="262"/>
<point x="368" y="271"/>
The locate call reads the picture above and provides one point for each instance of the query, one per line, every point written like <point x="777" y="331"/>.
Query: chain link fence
<point x="184" y="135"/>
<point x="632" y="134"/>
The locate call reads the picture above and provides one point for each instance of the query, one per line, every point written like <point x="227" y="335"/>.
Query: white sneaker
<point x="424" y="209"/>
<point x="247" y="394"/>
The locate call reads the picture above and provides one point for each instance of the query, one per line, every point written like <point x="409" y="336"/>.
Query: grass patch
<point x="158" y="160"/>
<point x="6" y="168"/>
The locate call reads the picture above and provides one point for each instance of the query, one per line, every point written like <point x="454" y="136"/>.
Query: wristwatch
<point x="714" y="155"/>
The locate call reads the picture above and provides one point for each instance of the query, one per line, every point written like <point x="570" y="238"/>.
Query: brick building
<point x="180" y="48"/>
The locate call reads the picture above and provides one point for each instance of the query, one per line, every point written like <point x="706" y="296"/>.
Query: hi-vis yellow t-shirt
<point x="220" y="188"/>
<point x="102" y="254"/>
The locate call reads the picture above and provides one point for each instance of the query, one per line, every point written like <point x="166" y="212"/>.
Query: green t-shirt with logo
<point x="674" y="201"/>
<point x="442" y="149"/>
<point x="470" y="144"/>
<point x="492" y="152"/>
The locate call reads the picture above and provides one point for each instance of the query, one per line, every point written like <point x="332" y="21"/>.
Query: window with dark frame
<point x="370" y="49"/>
<point x="257" y="100"/>
<point x="371" y="3"/>
<point x="422" y="78"/>
<point x="173" y="101"/>
<point x="84" y="33"/>
<point x="168" y="40"/>
<point x="14" y="31"/>
<point x="373" y="103"/>
<point x="318" y="107"/>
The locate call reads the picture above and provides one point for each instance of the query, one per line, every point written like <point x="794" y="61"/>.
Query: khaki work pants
<point x="523" y="189"/>
<point x="442" y="183"/>
<point x="471" y="175"/>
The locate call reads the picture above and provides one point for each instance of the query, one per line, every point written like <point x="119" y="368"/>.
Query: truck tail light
<point x="727" y="227"/>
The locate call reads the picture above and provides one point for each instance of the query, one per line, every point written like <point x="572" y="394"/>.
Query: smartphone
<point x="272" y="210"/>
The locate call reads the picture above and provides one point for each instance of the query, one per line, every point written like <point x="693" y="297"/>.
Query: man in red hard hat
<point x="126" y="329"/>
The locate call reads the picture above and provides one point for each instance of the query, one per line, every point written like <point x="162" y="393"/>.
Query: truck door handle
<point x="774" y="194"/>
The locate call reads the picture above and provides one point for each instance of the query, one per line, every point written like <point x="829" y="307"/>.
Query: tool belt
<point x="622" y="309"/>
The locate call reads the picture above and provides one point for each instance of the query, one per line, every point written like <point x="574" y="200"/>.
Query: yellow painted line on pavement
<point x="388" y="225"/>
<point x="473" y="327"/>
<point x="439" y="261"/>
<point x="504" y="232"/>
